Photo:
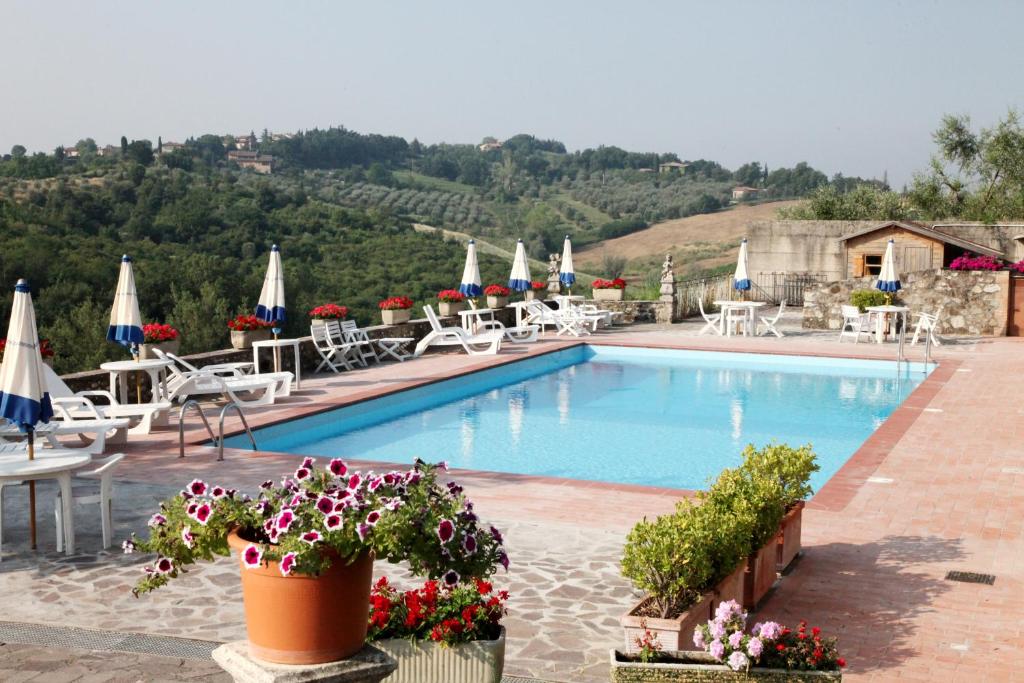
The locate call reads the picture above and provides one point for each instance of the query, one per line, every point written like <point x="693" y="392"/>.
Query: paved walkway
<point x="939" y="491"/>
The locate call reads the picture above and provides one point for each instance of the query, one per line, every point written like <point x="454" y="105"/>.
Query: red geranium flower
<point x="395" y="303"/>
<point x="497" y="290"/>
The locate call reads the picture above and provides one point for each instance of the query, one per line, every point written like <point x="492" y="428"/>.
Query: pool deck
<point x="939" y="487"/>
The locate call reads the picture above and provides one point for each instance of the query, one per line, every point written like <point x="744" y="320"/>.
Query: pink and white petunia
<point x="354" y="481"/>
<point x="307" y="462"/>
<point x="157" y="520"/>
<point x="311" y="537"/>
<point x="164" y="565"/>
<point x="202" y="513"/>
<point x="296" y="500"/>
<point x="252" y="556"/>
<point x="196" y="487"/>
<point x="218" y="492"/>
<point x="325" y="505"/>
<point x="362" y="530"/>
<point x="375" y="483"/>
<point x="451" y="577"/>
<point x="284" y="520"/>
<point x="338" y="467"/>
<point x="302" y="473"/>
<point x="332" y="521"/>
<point x="445" y="530"/>
<point x="128" y="546"/>
<point x="187" y="538"/>
<point x="287" y="563"/>
<point x="373" y="517"/>
<point x="469" y="544"/>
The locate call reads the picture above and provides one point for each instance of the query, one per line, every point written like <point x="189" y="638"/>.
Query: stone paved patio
<point x="941" y="492"/>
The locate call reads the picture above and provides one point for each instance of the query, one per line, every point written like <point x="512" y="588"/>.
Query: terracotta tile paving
<point x="876" y="551"/>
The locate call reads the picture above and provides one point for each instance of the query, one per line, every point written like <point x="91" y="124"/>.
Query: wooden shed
<point x="917" y="247"/>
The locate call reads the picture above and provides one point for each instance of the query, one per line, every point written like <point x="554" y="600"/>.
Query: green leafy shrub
<point x="754" y="497"/>
<point x="862" y="298"/>
<point x="793" y="468"/>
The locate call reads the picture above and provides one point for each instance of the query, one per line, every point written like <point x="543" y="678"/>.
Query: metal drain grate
<point x="971" y="577"/>
<point x="112" y="641"/>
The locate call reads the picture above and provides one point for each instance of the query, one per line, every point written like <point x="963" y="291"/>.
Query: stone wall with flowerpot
<point x="447" y="308"/>
<point x="478" y="661"/>
<point x="396" y="316"/>
<point x="495" y="302"/>
<point x="243" y="339"/>
<point x="535" y="295"/>
<point x="673" y="634"/>
<point x="790" y="533"/>
<point x="146" y="350"/>
<point x="760" y="573"/>
<point x="611" y="294"/>
<point x="700" y="667"/>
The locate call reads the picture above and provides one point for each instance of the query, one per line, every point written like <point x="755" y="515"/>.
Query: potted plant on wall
<point x="450" y="301"/>
<point x="245" y="329"/>
<point x="157" y="336"/>
<point x="395" y="310"/>
<point x="537" y="291"/>
<point x="321" y="314"/>
<point x="497" y="296"/>
<point x="608" y="290"/>
<point x="306" y="549"/>
<point x="438" y="633"/>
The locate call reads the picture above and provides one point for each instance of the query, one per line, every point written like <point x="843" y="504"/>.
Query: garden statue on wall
<point x="554" y="262"/>
<point x="668" y="279"/>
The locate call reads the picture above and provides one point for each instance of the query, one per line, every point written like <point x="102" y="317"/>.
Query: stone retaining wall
<point x="973" y="302"/>
<point x="639" y="311"/>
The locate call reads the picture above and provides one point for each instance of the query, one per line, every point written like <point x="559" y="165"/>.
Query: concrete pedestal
<point x="369" y="665"/>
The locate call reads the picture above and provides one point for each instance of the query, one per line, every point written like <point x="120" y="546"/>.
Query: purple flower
<point x="770" y="630"/>
<point x="451" y="577"/>
<point x="729" y="609"/>
<point x="268" y="484"/>
<point x="497" y="535"/>
<point x="717" y="649"/>
<point x="698" y="637"/>
<point x="503" y="559"/>
<point x="755" y="647"/>
<point x="284" y="520"/>
<point x="302" y="473"/>
<point x="443" y="465"/>
<point x="307" y="462"/>
<point x="338" y="467"/>
<point x="469" y="544"/>
<point x="157" y="520"/>
<point x="738" y="660"/>
<point x="325" y="505"/>
<point x="445" y="530"/>
<point x="187" y="538"/>
<point x="332" y="521"/>
<point x="287" y="563"/>
<point x="717" y="629"/>
<point x="756" y="631"/>
<point x="362" y="530"/>
<point x="128" y="547"/>
<point x="252" y="556"/>
<point x="164" y="566"/>
<point x="311" y="537"/>
<point x="736" y="639"/>
<point x="196" y="487"/>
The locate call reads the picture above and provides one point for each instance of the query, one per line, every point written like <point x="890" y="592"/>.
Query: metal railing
<point x="220" y="429"/>
<point x="772" y="288"/>
<point x="191" y="403"/>
<point x="218" y="440"/>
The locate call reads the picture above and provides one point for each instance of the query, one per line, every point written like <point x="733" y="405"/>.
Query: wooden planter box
<point x="673" y="634"/>
<point x="789" y="540"/>
<point x="146" y="350"/>
<point x="700" y="667"/>
<point x="480" y="661"/>
<point x="497" y="301"/>
<point x="450" y="307"/>
<point x="243" y="339"/>
<point x="396" y="316"/>
<point x="760" y="574"/>
<point x="608" y="294"/>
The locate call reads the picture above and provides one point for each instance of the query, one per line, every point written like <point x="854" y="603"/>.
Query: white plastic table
<point x="882" y="313"/>
<point x="48" y="464"/>
<point x="276" y="344"/>
<point x="155" y="368"/>
<point x="474" y="316"/>
<point x="395" y="347"/>
<point x="750" y="308"/>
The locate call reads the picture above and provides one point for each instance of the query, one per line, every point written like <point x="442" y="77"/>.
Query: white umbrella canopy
<point x="471" y="285"/>
<point x="24" y="400"/>
<point x="740" y="279"/>
<point x="888" y="279"/>
<point x="519" y="280"/>
<point x="125" y="320"/>
<point x="566" y="273"/>
<point x="271" y="307"/>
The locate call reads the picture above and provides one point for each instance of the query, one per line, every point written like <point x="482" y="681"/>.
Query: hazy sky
<point x="852" y="86"/>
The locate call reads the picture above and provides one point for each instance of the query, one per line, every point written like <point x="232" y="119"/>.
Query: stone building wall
<point x="974" y="302"/>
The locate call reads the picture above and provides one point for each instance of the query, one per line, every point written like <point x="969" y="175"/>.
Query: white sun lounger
<point x="184" y="385"/>
<point x="93" y="432"/>
<point x="488" y="343"/>
<point x="234" y="371"/>
<point x="81" y="405"/>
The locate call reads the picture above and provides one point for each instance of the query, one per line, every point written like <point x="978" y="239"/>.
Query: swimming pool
<point x="617" y="414"/>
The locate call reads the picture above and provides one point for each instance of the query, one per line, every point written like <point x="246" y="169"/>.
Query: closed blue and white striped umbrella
<point x="519" y="280"/>
<point x="888" y="279"/>
<point x="741" y="280"/>
<point x="270" y="308"/>
<point x="125" y="320"/>
<point x="24" y="400"/>
<point x="471" y="285"/>
<point x="566" y="273"/>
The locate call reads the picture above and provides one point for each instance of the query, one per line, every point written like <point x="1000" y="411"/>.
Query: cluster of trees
<point x="649" y="199"/>
<point x="450" y="209"/>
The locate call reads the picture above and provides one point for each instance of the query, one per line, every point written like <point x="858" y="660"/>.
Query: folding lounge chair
<point x="479" y="344"/>
<point x="769" y="323"/>
<point x="141" y="415"/>
<point x="712" y="321"/>
<point x="927" y="323"/>
<point x="234" y="371"/>
<point x="855" y="323"/>
<point x="181" y="385"/>
<point x="348" y="332"/>
<point x="538" y="313"/>
<point x="93" y="432"/>
<point x="333" y="355"/>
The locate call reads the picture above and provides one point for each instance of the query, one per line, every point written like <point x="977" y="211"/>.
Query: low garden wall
<point x="974" y="302"/>
<point x="640" y="311"/>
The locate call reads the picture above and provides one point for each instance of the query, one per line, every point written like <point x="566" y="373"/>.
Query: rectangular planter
<point x="396" y="316"/>
<point x="480" y="661"/>
<point x="243" y="339"/>
<point x="146" y="350"/>
<point x="789" y="542"/>
<point x="450" y="307"/>
<point x="760" y="574"/>
<point x="608" y="294"/>
<point x="535" y="295"/>
<point x="497" y="302"/>
<point x="673" y="634"/>
<point x="731" y="587"/>
<point x="699" y="667"/>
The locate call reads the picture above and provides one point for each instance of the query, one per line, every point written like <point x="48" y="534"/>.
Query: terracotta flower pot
<point x="760" y="573"/>
<point x="146" y="350"/>
<point x="673" y="634"/>
<point x="301" y="619"/>
<point x="243" y="339"/>
<point x="789" y="542"/>
<point x="396" y="316"/>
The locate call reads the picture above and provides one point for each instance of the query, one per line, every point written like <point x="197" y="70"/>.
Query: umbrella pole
<point x="277" y="356"/>
<point x="32" y="493"/>
<point x="138" y="382"/>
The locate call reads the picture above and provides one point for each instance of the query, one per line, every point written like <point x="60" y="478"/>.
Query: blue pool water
<point x="616" y="414"/>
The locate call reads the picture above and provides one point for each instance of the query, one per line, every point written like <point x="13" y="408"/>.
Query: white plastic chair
<point x="234" y="371"/>
<point x="104" y="473"/>
<point x="769" y="323"/>
<point x="81" y="405"/>
<point x="855" y="323"/>
<point x="737" y="321"/>
<point x="711" y="320"/>
<point x="538" y="313"/>
<point x="350" y="333"/>
<point x="927" y="323"/>
<point x="333" y="354"/>
<point x="488" y="343"/>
